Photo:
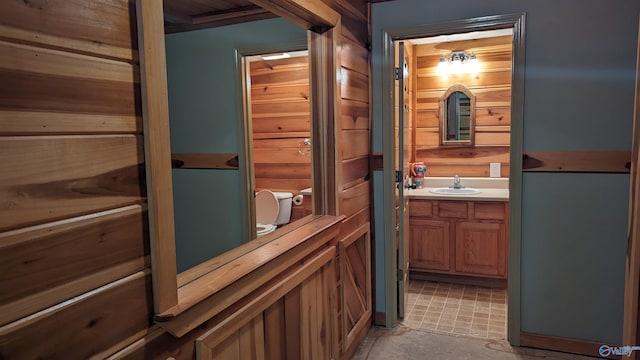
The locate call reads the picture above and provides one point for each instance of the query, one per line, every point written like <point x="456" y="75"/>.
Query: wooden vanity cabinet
<point x="429" y="245"/>
<point x="458" y="237"/>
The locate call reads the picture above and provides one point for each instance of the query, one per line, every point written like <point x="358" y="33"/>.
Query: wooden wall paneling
<point x="251" y="339"/>
<point x="27" y="58"/>
<point x="355" y="115"/>
<point x="355" y="86"/>
<point x="246" y="343"/>
<point x="316" y="317"/>
<point x="492" y="138"/>
<point x="293" y="312"/>
<point x="486" y="97"/>
<point x="43" y="265"/>
<point x="427" y="119"/>
<point x="291" y="108"/>
<point x="290" y="91"/>
<point x="281" y="155"/>
<point x="277" y="184"/>
<point x="492" y="88"/>
<point x="354" y="143"/>
<point x="497" y="78"/>
<point x="59" y="123"/>
<point x="213" y="292"/>
<point x="92" y="322"/>
<point x="110" y="32"/>
<point x="427" y="138"/>
<point x="280" y="104"/>
<point x="355" y="272"/>
<point x="35" y="91"/>
<point x="254" y="306"/>
<point x="52" y="80"/>
<point x="353" y="222"/>
<point x="355" y="171"/>
<point x="493" y="116"/>
<point x="291" y="171"/>
<point x="358" y="56"/>
<point x="54" y="177"/>
<point x="464" y="169"/>
<point x="354" y="26"/>
<point x="66" y="82"/>
<point x="493" y="44"/>
<point x="281" y="124"/>
<point x="484" y="154"/>
<point x="274" y="330"/>
<point x="354" y="199"/>
<point x="491" y="60"/>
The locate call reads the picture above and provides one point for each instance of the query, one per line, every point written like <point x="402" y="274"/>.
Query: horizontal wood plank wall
<point x="281" y="116"/>
<point x="73" y="223"/>
<point x="492" y="88"/>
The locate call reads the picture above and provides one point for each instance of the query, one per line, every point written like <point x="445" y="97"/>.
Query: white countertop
<point x="491" y="189"/>
<point x="486" y="194"/>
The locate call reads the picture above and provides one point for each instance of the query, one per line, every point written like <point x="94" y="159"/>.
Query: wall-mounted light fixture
<point x="458" y="62"/>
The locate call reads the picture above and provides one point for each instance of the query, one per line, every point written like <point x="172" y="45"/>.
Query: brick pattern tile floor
<point x="457" y="309"/>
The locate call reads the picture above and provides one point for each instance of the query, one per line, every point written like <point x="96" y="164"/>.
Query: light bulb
<point x="443" y="67"/>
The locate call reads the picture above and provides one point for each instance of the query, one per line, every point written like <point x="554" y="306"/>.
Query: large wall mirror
<point x="203" y="109"/>
<point x="457" y="114"/>
<point x="211" y="208"/>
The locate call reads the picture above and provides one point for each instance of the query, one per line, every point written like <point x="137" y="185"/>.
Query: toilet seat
<point x="262" y="229"/>
<point x="267" y="208"/>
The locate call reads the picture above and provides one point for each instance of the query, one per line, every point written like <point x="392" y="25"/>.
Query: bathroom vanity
<point x="460" y="238"/>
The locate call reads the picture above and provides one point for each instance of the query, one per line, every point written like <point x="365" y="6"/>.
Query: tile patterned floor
<point x="457" y="309"/>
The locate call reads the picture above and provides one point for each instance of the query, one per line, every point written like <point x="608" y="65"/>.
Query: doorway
<point x="457" y="109"/>
<point x="514" y="24"/>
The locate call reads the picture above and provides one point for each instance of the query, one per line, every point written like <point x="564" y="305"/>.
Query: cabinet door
<point x="481" y="248"/>
<point x="429" y="245"/>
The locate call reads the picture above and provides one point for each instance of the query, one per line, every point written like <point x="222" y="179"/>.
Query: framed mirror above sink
<point x="457" y="114"/>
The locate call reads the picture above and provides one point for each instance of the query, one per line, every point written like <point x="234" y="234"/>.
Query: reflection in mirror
<point x="207" y="141"/>
<point x="457" y="109"/>
<point x="280" y="116"/>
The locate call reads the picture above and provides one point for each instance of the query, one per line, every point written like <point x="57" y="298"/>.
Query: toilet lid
<point x="267" y="207"/>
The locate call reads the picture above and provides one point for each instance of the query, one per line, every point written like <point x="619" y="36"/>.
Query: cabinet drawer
<point x="423" y="208"/>
<point x="489" y="211"/>
<point x="452" y="209"/>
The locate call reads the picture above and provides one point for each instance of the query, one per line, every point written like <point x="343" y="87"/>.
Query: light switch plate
<point x="494" y="170"/>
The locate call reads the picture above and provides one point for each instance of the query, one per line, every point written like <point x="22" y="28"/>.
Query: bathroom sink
<point x="452" y="191"/>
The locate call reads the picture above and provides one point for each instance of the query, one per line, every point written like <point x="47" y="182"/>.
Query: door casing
<point x="509" y="21"/>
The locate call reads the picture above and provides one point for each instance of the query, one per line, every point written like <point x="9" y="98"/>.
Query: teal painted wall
<point x="579" y="88"/>
<point x="203" y="119"/>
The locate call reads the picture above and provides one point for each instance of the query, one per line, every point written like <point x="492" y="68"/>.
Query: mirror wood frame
<point x="323" y="24"/>
<point x="444" y="118"/>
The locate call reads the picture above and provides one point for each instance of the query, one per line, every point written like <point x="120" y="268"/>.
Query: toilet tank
<point x="284" y="200"/>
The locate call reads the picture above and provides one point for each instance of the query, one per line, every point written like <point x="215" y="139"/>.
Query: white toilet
<point x="272" y="209"/>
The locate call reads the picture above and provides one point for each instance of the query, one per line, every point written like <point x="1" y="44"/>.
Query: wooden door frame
<point x="512" y="21"/>
<point x="632" y="271"/>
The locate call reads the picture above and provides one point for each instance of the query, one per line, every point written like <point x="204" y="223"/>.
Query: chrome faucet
<point x="456" y="183"/>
